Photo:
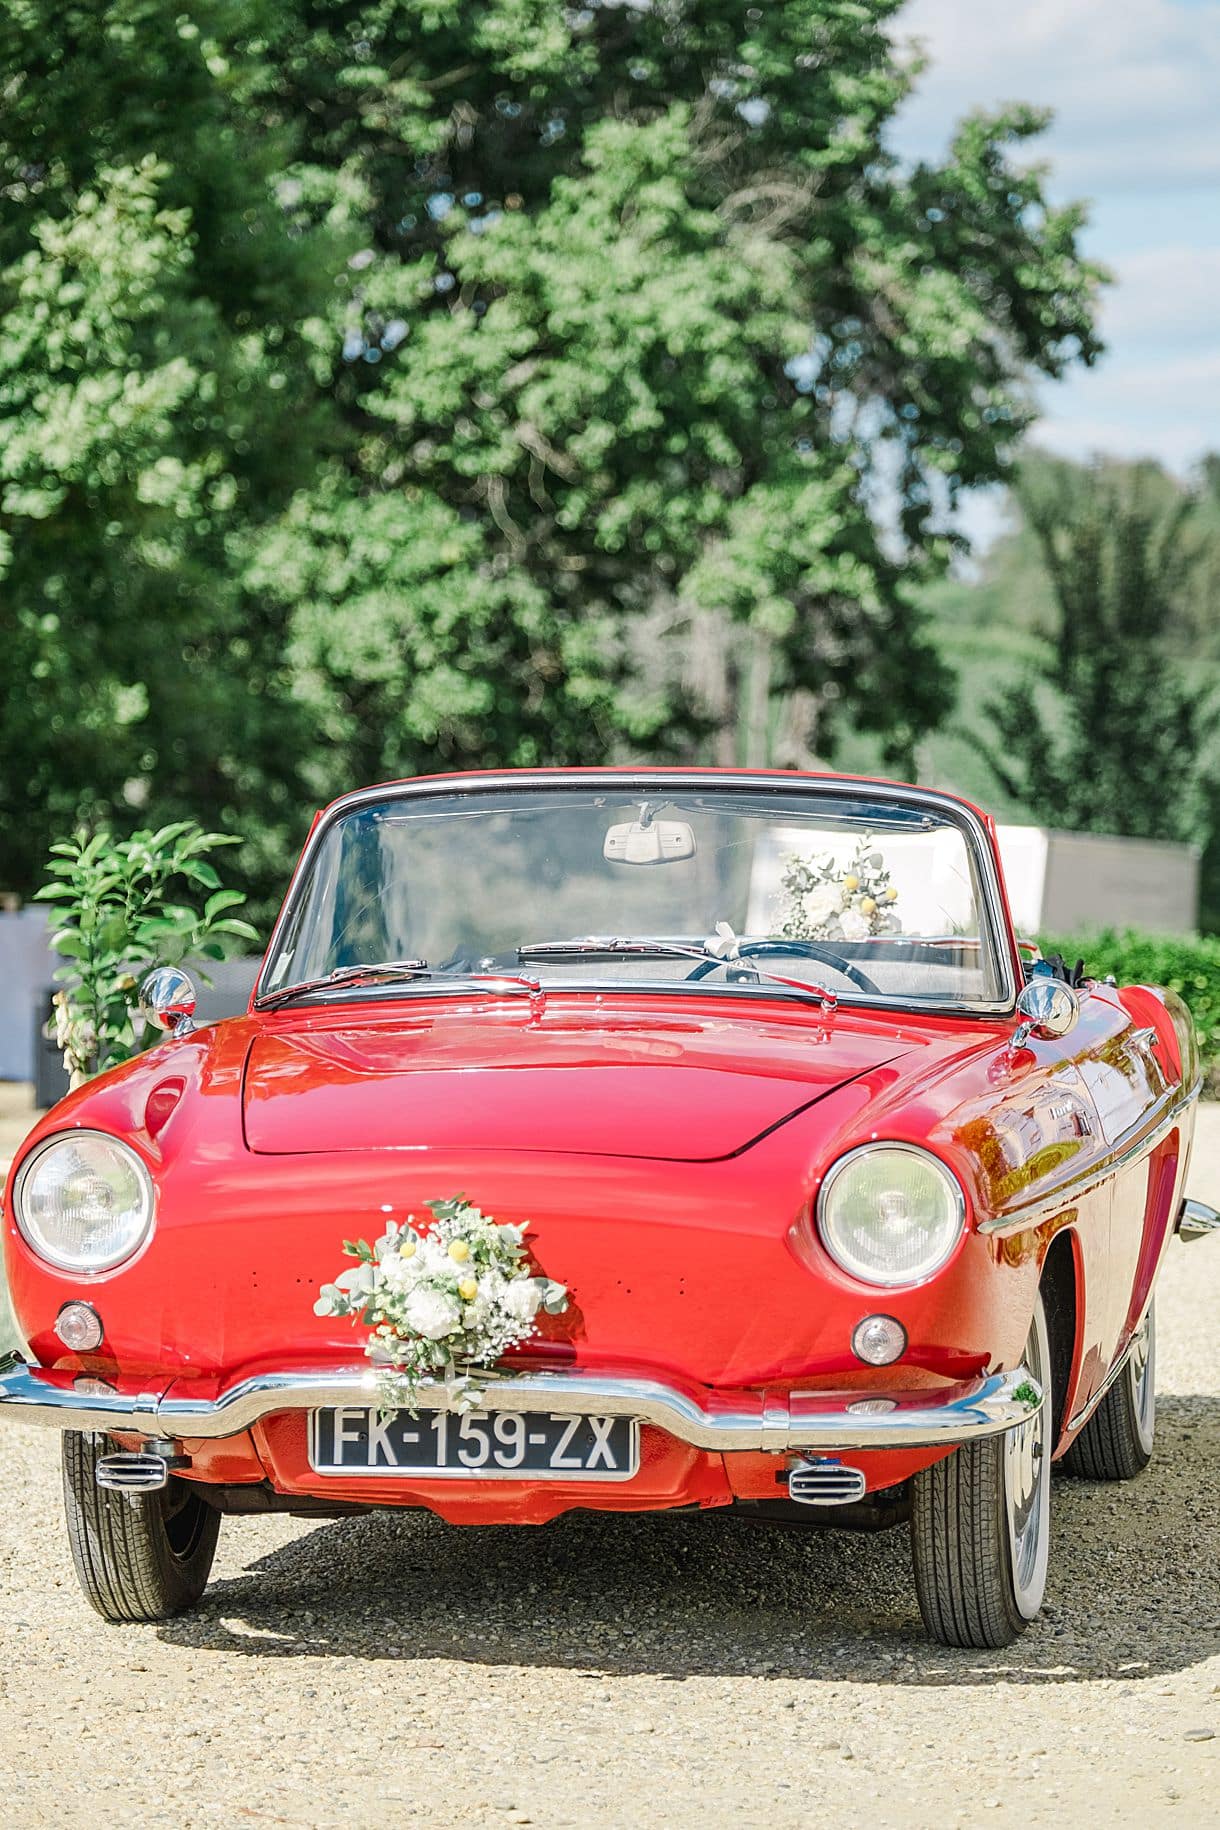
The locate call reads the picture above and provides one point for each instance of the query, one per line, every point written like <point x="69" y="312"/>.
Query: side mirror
<point x="167" y="1000"/>
<point x="1047" y="1008"/>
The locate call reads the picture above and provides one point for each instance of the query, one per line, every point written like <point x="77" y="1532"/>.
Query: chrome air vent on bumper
<point x="132" y="1472"/>
<point x="824" y="1483"/>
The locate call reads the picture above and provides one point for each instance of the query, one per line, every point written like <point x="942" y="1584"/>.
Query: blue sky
<point x="1135" y="86"/>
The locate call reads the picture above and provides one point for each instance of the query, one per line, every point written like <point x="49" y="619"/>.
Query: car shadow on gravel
<point x="1132" y="1590"/>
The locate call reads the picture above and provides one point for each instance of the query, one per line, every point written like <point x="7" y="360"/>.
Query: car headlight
<point x="84" y="1201"/>
<point x="890" y="1213"/>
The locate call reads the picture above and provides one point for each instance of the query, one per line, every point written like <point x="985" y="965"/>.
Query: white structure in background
<point x="26" y="965"/>
<point x="1071" y="882"/>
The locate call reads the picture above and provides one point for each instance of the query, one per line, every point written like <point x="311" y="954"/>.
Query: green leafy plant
<point x="114" y="918"/>
<point x="1190" y="966"/>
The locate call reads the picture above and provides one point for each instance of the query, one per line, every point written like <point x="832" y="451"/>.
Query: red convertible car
<point x="626" y="1139"/>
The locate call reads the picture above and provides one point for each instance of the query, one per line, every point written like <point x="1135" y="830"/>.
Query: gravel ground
<point x="691" y="1671"/>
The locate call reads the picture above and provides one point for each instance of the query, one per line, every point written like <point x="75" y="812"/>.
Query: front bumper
<point x="749" y="1420"/>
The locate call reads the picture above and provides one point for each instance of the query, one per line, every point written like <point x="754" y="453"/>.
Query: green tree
<point x="157" y="406"/>
<point x="648" y="333"/>
<point x="421" y="383"/>
<point x="1107" y="732"/>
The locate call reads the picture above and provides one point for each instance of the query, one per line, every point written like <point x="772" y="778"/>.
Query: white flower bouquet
<point x="822" y="899"/>
<point x="441" y="1299"/>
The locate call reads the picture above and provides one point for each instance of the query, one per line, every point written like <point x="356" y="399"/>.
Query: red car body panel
<point x="665" y="1153"/>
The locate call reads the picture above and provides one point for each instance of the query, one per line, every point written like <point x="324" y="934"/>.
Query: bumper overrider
<point x="746" y="1420"/>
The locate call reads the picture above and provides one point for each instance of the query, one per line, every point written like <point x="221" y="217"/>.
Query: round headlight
<point x="84" y="1201"/>
<point x="890" y="1214"/>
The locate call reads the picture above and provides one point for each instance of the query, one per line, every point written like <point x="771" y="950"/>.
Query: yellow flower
<point x="891" y="895"/>
<point x="468" y="1289"/>
<point x="459" y="1251"/>
<point x="868" y="906"/>
<point x="407" y="1249"/>
<point x="851" y="881"/>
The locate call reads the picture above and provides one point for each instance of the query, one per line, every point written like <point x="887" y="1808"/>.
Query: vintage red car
<point x="769" y="1170"/>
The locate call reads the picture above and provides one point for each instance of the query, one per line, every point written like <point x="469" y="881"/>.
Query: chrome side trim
<point x="1196" y="1220"/>
<point x="769" y="1420"/>
<point x="1132" y="1144"/>
<point x="1086" y="1410"/>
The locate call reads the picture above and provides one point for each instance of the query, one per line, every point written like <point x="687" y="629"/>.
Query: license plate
<point x="479" y="1445"/>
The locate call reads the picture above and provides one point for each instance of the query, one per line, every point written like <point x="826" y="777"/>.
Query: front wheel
<point x="980" y="1525"/>
<point x="1116" y="1443"/>
<point x="138" y="1556"/>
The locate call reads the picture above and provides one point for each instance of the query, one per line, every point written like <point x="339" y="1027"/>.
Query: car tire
<point x="1116" y="1443"/>
<point x="980" y="1525"/>
<point x="138" y="1556"/>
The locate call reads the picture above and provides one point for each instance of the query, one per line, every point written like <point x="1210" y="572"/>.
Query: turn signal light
<point x="79" y="1327"/>
<point x="879" y="1340"/>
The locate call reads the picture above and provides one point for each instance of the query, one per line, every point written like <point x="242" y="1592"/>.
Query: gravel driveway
<point x="691" y="1671"/>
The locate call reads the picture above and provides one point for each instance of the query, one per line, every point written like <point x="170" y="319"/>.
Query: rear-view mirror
<point x="649" y="842"/>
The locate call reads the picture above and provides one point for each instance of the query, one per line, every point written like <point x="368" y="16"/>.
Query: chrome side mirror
<point x="167" y="1000"/>
<point x="1047" y="1008"/>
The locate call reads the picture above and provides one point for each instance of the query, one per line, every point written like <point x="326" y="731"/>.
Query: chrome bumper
<point x="774" y="1421"/>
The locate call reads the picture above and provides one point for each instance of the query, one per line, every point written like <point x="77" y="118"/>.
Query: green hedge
<point x="1189" y="967"/>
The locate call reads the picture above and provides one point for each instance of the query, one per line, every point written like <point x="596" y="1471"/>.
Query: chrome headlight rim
<point x="901" y="1279"/>
<point x="62" y="1261"/>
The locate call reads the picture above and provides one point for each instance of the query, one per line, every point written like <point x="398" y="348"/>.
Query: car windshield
<point x="868" y="895"/>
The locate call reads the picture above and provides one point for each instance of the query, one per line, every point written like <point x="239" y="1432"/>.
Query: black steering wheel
<point x="804" y="949"/>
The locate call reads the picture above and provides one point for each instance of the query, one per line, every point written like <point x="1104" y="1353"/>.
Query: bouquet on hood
<point x="441" y="1298"/>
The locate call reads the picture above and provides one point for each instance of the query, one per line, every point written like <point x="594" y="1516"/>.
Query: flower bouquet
<point x="441" y="1298"/>
<point x="823" y="899"/>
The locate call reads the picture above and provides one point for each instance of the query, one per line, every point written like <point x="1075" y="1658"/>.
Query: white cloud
<point x="1134" y="83"/>
<point x="1135" y="89"/>
<point x="1167" y="410"/>
<point x="1165" y="296"/>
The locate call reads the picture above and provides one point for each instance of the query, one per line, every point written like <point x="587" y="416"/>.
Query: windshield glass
<point x="867" y="896"/>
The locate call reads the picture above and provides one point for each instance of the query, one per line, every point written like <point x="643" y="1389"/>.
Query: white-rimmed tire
<point x="980" y="1525"/>
<point x="1116" y="1443"/>
<point x="138" y="1556"/>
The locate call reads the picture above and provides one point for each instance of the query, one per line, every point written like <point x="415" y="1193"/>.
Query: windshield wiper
<point x="615" y="947"/>
<point x="348" y="975"/>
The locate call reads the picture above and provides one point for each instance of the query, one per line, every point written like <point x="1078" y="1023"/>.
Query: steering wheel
<point x="804" y="949"/>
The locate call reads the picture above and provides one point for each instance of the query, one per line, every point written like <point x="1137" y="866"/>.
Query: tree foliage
<point x="423" y="383"/>
<point x="1107" y="733"/>
<point x="113" y="918"/>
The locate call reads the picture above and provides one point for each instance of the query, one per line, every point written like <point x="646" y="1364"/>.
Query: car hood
<point x="679" y="1088"/>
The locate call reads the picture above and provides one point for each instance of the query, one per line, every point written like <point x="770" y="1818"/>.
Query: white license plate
<point x="479" y="1445"/>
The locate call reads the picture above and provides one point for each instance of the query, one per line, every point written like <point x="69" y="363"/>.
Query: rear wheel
<point x="138" y="1556"/>
<point x="980" y="1525"/>
<point x="1116" y="1443"/>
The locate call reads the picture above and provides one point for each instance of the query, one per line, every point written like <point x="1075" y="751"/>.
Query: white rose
<point x="431" y="1313"/>
<point x="820" y="904"/>
<point x="521" y="1299"/>
<point x="854" y="925"/>
<point x="397" y="1271"/>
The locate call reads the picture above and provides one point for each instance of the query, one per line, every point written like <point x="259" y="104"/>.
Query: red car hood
<point x="684" y="1088"/>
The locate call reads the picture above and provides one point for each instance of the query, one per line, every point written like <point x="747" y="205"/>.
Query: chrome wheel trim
<point x="1141" y="1375"/>
<point x="1027" y="1484"/>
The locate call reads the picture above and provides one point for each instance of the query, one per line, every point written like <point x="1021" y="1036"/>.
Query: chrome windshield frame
<point x="997" y="930"/>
